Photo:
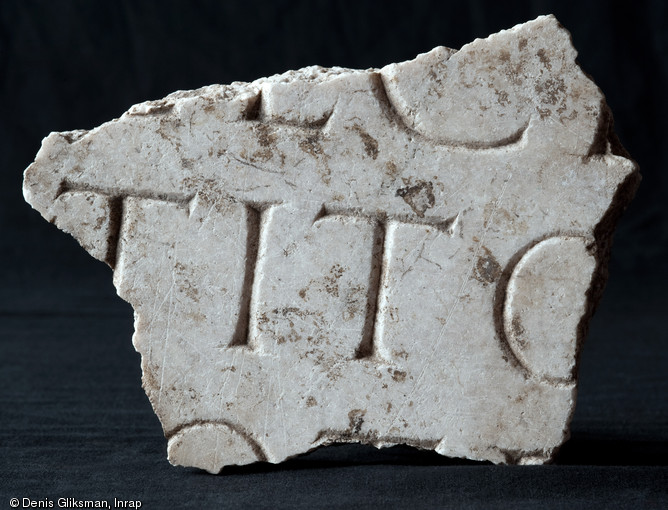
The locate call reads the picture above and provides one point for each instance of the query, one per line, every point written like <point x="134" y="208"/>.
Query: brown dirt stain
<point x="370" y="143"/>
<point x="487" y="269"/>
<point x="419" y="197"/>
<point x="356" y="420"/>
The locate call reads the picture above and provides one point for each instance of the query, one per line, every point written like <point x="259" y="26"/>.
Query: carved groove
<point x="252" y="442"/>
<point x="368" y="345"/>
<point x="445" y="225"/>
<point x="396" y="118"/>
<point x="316" y="125"/>
<point x="253" y="226"/>
<point x="500" y="298"/>
<point x="115" y="223"/>
<point x="253" y="113"/>
<point x="181" y="199"/>
<point x="254" y="109"/>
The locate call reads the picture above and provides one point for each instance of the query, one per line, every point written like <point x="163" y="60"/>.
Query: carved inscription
<point x="255" y="222"/>
<point x="399" y="255"/>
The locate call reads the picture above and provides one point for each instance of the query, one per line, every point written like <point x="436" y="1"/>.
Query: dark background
<point x="74" y="419"/>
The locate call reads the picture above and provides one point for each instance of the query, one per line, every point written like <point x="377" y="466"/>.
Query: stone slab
<point x="405" y="255"/>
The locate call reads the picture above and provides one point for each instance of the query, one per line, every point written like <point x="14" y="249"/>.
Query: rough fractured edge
<point x="603" y="238"/>
<point x="253" y="113"/>
<point x="519" y="457"/>
<point x="317" y="75"/>
<point x="601" y="248"/>
<point x="74" y="136"/>
<point x="605" y="140"/>
<point x="328" y="437"/>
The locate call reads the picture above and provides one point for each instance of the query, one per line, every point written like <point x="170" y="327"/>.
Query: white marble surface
<point x="403" y="255"/>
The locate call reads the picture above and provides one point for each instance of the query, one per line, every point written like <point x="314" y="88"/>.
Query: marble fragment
<point x="405" y="255"/>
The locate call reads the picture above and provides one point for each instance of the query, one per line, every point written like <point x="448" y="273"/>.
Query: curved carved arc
<point x="212" y="445"/>
<point x="504" y="323"/>
<point x="514" y="140"/>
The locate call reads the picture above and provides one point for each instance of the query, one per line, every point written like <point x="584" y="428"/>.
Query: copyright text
<point x="73" y="503"/>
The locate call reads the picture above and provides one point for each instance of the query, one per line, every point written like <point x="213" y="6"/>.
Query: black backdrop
<point x="75" y="421"/>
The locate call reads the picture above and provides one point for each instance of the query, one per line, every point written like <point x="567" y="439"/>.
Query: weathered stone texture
<point x="404" y="255"/>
